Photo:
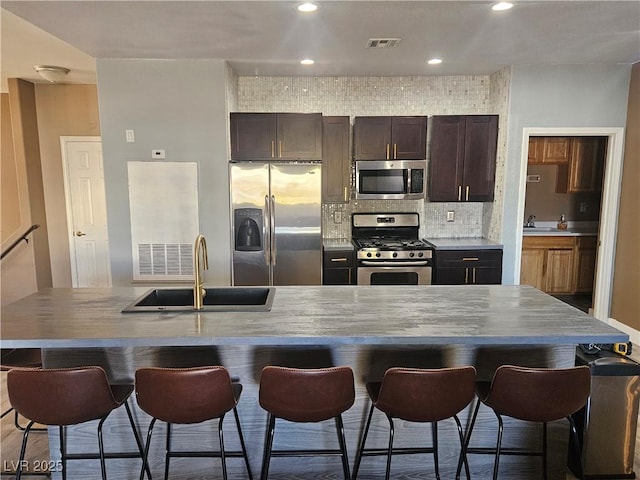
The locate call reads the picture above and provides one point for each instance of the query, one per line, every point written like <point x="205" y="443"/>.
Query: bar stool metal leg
<point x="268" y="443"/>
<point x="23" y="449"/>
<point x="434" y="437"/>
<point x="103" y="465"/>
<point x="242" y="444"/>
<point x="390" y="449"/>
<point x="356" y="466"/>
<point x="145" y="455"/>
<point x="167" y="456"/>
<point x="222" y="456"/>
<point x="498" y="446"/>
<point x="343" y="447"/>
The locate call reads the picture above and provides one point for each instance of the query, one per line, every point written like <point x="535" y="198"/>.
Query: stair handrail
<point x="15" y="244"/>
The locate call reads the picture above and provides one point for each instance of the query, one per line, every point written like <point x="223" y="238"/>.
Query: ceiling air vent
<point x="382" y="42"/>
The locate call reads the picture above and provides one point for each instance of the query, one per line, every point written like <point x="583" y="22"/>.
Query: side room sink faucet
<point x="530" y="221"/>
<point x="199" y="251"/>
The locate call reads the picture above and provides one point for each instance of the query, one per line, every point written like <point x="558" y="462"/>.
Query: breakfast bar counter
<point x="369" y="328"/>
<point x="308" y="315"/>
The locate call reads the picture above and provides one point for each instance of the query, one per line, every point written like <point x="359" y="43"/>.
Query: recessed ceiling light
<point x="307" y="61"/>
<point x="434" y="61"/>
<point x="500" y="6"/>
<point x="307" y="7"/>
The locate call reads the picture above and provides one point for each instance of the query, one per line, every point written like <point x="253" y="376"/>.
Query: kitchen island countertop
<point x="309" y="315"/>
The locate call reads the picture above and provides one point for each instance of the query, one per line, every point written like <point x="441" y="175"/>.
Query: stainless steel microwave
<point x="390" y="180"/>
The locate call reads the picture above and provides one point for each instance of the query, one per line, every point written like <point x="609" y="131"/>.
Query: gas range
<point x="388" y="237"/>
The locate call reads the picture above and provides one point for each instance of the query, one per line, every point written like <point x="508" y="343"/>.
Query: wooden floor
<point x="38" y="449"/>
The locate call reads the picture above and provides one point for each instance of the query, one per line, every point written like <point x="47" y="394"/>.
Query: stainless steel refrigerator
<point x="276" y="223"/>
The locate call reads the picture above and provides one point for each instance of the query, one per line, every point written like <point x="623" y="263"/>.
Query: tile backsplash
<point x="410" y="95"/>
<point x="468" y="217"/>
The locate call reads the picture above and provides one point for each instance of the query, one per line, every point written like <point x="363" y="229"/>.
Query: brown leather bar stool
<point x="539" y="395"/>
<point x="419" y="395"/>
<point x="306" y="395"/>
<point x="20" y="357"/>
<point x="187" y="396"/>
<point x="68" y="396"/>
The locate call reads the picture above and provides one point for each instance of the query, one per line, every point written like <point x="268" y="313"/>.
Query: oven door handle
<point x="395" y="264"/>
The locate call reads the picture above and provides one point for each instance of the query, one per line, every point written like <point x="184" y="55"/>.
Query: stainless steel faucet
<point x="530" y="221"/>
<point x="199" y="250"/>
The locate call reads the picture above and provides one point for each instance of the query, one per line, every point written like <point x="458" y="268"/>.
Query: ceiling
<point x="271" y="37"/>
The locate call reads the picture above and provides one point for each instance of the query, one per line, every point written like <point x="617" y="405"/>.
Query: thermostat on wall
<point x="533" y="178"/>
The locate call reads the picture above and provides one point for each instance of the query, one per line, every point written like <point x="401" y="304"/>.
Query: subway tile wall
<point x="411" y="95"/>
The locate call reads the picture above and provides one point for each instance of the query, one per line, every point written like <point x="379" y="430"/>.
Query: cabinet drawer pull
<point x="470" y="259"/>
<point x="466" y="276"/>
<point x="467" y="196"/>
<point x="395" y="151"/>
<point x="474" y="276"/>
<point x="341" y="259"/>
<point x="387" y="151"/>
<point x="279" y="148"/>
<point x="273" y="148"/>
<point x="459" y="192"/>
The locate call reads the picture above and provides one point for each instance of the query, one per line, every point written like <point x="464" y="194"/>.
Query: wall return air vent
<point x="382" y="42"/>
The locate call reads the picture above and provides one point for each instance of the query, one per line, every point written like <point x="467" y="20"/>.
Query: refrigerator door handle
<point x="267" y="231"/>
<point x="273" y="229"/>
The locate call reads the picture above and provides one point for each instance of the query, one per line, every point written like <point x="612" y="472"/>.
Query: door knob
<point x="79" y="233"/>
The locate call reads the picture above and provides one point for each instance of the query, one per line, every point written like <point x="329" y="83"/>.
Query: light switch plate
<point x="451" y="216"/>
<point x="157" y="154"/>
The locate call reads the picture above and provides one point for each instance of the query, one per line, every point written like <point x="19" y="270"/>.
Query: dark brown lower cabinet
<point x="338" y="268"/>
<point x="467" y="267"/>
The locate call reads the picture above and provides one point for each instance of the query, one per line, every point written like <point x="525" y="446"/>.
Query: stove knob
<point x="411" y="254"/>
<point x="377" y="254"/>
<point x="395" y="254"/>
<point x="420" y="254"/>
<point x="369" y="254"/>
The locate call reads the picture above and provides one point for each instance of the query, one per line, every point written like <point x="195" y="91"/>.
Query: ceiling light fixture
<point x="500" y="6"/>
<point x="307" y="7"/>
<point x="307" y="61"/>
<point x="434" y="61"/>
<point x="52" y="73"/>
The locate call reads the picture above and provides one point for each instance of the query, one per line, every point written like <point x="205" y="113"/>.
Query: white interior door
<point x="86" y="211"/>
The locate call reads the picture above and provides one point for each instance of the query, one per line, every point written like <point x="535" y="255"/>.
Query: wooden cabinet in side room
<point x="548" y="263"/>
<point x="268" y="136"/>
<point x="463" y="158"/>
<point x="559" y="270"/>
<point x="583" y="172"/>
<point x="549" y="150"/>
<point x="338" y="267"/>
<point x="532" y="268"/>
<point x="467" y="267"/>
<point x="585" y="264"/>
<point x="390" y="138"/>
<point x="336" y="162"/>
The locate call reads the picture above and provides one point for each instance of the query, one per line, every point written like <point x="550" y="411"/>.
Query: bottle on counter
<point x="562" y="223"/>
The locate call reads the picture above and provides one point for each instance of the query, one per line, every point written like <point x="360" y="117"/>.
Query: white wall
<point x="178" y="106"/>
<point x="552" y="97"/>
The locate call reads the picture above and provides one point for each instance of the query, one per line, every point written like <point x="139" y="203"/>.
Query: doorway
<point x="86" y="211"/>
<point x="607" y="231"/>
<point x="562" y="211"/>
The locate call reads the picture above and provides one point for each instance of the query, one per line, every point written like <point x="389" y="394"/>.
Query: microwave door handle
<point x="408" y="182"/>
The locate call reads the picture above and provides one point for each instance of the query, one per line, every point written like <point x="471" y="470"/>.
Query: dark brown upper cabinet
<point x="390" y="138"/>
<point x="463" y="158"/>
<point x="336" y="161"/>
<point x="276" y="136"/>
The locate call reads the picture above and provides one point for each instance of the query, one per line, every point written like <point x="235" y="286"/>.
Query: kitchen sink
<point x="218" y="299"/>
<point x="538" y="229"/>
